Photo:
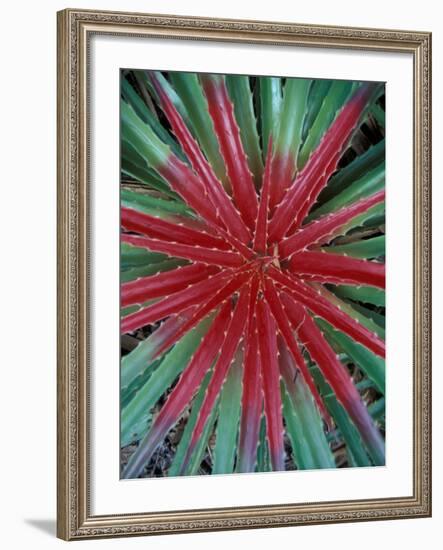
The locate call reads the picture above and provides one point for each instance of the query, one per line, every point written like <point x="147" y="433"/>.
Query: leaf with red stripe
<point x="339" y="379"/>
<point x="221" y="368"/>
<point x="175" y="303"/>
<point x="221" y="111"/>
<point x="323" y="308"/>
<point x="267" y="335"/>
<point x="180" y="396"/>
<point x="224" y="258"/>
<point x="331" y="268"/>
<point x="261" y="227"/>
<point x="304" y="191"/>
<point x="317" y="230"/>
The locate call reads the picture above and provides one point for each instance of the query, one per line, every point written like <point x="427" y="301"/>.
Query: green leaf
<point x="366" y="185"/>
<point x="291" y="117"/>
<point x="270" y="107"/>
<point x="305" y="427"/>
<point x="151" y="269"/>
<point x="241" y="96"/>
<point x="228" y="419"/>
<point x="332" y="103"/>
<point x="152" y="205"/>
<point x="372" y="365"/>
<point x="366" y="294"/>
<point x="139" y="408"/>
<point x="364" y="249"/>
<point x="317" y="93"/>
<point x="196" y="458"/>
<point x="353" y="171"/>
<point x="132" y="256"/>
<point x="354" y="445"/>
<point x="199" y="122"/>
<point x="263" y="459"/>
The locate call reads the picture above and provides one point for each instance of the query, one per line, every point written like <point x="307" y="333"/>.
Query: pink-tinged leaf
<point x="177" y="302"/>
<point x="273" y="299"/>
<point x="229" y="216"/>
<point x="338" y="378"/>
<point x="310" y="181"/>
<point x="317" y="230"/>
<point x="189" y="252"/>
<point x="200" y="312"/>
<point x="221" y="368"/>
<point x="267" y="335"/>
<point x="182" y="393"/>
<point x="147" y="288"/>
<point x="335" y="269"/>
<point x="261" y="228"/>
<point x="252" y="399"/>
<point x="221" y="111"/>
<point x="139" y="222"/>
<point x="320" y="306"/>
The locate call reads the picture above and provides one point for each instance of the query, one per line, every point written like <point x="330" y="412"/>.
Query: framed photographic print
<point x="244" y="282"/>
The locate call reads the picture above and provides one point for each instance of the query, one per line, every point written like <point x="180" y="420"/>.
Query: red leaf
<point x="280" y="316"/>
<point x="320" y="306"/>
<point x="311" y="233"/>
<point x="338" y="378"/>
<point x="267" y="334"/>
<point x="309" y="182"/>
<point x="229" y="215"/>
<point x="190" y="252"/>
<point x="182" y="393"/>
<point x="175" y="303"/>
<point x="163" y="284"/>
<point x="228" y="134"/>
<point x="336" y="269"/>
<point x="139" y="222"/>
<point x="221" y="368"/>
<point x="261" y="228"/>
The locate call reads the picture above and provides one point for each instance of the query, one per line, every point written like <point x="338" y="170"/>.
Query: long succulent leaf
<point x="228" y="419"/>
<point x="339" y="380"/>
<point x="158" y="228"/>
<point x="324" y="227"/>
<point x="228" y="134"/>
<point x="270" y="106"/>
<point x="304" y="192"/>
<point x="330" y="268"/>
<point x="364" y="294"/>
<point x="177" y="302"/>
<point x="267" y="334"/>
<point x="189" y="89"/>
<point x="224" y="362"/>
<point x="133" y="273"/>
<point x="304" y="423"/>
<point x="144" y="400"/>
<point x="241" y="95"/>
<point x="322" y="307"/>
<point x="187" y="385"/>
<point x="364" y="249"/>
<point x="163" y="284"/>
<point x="261" y="227"/>
<point x="278" y="311"/>
<point x="146" y="202"/>
<point x="134" y="257"/>
<point x="196" y="253"/>
<point x="288" y="137"/>
<point x="229" y="215"/>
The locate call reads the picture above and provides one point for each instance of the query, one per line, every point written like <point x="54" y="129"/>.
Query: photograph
<point x="252" y="273"/>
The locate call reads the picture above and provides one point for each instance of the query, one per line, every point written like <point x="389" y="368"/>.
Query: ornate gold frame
<point x="75" y="28"/>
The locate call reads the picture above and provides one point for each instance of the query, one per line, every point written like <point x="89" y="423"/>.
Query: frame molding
<point x="74" y="519"/>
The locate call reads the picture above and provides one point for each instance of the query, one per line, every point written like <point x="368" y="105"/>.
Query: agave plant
<point x="252" y="273"/>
